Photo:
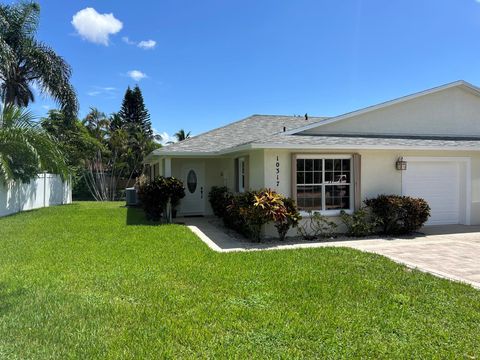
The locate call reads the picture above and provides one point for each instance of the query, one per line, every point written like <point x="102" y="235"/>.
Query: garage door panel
<point x="438" y="183"/>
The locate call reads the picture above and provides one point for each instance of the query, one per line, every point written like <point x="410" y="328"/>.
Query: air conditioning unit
<point x="131" y="196"/>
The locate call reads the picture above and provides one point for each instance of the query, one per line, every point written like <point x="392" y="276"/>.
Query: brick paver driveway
<point x="454" y="256"/>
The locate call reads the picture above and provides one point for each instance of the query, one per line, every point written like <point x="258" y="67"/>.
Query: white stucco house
<point x="330" y="164"/>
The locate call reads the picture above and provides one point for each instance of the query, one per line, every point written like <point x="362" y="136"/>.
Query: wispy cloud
<point x="95" y="27"/>
<point x="127" y="41"/>
<point x="108" y="92"/>
<point x="136" y="75"/>
<point x="147" y="44"/>
<point x="166" y="138"/>
<point x="144" y="44"/>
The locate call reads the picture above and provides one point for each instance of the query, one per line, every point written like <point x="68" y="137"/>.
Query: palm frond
<point x="26" y="148"/>
<point x="53" y="74"/>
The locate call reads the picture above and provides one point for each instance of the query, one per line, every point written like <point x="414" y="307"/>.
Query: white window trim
<point x="335" y="212"/>
<point x="241" y="174"/>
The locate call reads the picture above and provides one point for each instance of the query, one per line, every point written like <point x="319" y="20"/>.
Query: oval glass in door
<point x="192" y="181"/>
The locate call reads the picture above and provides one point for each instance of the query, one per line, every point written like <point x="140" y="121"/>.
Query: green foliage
<point x="181" y="135"/>
<point x="248" y="212"/>
<point x="219" y="198"/>
<point x="399" y="214"/>
<point x="25" y="61"/>
<point x="244" y="217"/>
<point x="316" y="226"/>
<point x="360" y="223"/>
<point x="26" y="149"/>
<point x="78" y="146"/>
<point x="291" y="219"/>
<point x="134" y="120"/>
<point x="278" y="209"/>
<point x="154" y="195"/>
<point x="73" y="138"/>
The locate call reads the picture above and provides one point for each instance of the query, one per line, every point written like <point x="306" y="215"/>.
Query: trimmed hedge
<point x="154" y="195"/>
<point x="399" y="214"/>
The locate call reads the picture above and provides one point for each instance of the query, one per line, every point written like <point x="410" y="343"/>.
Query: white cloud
<point x="127" y="40"/>
<point x="166" y="138"/>
<point x="136" y="75"/>
<point x="147" y="44"/>
<point x="96" y="27"/>
<point x="46" y="107"/>
<point x="106" y="91"/>
<point x="144" y="44"/>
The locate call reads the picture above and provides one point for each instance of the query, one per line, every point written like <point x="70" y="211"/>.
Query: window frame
<point x="323" y="157"/>
<point x="241" y="175"/>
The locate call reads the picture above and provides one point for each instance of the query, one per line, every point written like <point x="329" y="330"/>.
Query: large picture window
<point x="324" y="182"/>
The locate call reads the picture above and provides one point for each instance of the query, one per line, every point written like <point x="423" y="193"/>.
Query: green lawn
<point x="88" y="280"/>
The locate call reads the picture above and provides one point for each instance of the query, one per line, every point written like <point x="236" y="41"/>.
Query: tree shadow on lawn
<point x="9" y="298"/>
<point x="136" y="216"/>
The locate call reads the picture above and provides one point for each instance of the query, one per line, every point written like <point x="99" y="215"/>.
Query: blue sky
<point x="216" y="61"/>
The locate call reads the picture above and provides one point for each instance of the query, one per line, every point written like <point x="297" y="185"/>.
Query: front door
<point x="193" y="176"/>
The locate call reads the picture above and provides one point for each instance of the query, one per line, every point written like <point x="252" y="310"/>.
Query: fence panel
<point x="43" y="191"/>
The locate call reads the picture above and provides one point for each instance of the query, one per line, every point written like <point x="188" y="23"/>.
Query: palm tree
<point x="26" y="148"/>
<point x="97" y="123"/>
<point x="181" y="135"/>
<point x="26" y="62"/>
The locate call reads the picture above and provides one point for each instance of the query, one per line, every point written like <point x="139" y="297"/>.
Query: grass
<point x="79" y="281"/>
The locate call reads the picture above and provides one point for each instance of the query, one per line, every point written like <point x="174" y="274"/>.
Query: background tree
<point x="26" y="149"/>
<point x="180" y="135"/>
<point x="25" y="61"/>
<point x="98" y="124"/>
<point x="135" y="120"/>
<point x="78" y="146"/>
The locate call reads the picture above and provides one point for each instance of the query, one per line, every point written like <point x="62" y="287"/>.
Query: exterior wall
<point x="451" y="112"/>
<point x="378" y="173"/>
<point x="218" y="172"/>
<point x="44" y="191"/>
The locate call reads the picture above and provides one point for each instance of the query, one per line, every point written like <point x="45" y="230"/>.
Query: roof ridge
<point x="236" y="122"/>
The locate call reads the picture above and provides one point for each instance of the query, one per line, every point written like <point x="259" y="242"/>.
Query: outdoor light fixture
<point x="401" y="164"/>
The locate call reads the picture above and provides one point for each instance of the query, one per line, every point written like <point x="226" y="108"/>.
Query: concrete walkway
<point x="451" y="252"/>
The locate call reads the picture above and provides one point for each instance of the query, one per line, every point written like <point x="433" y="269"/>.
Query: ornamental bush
<point x="399" y="214"/>
<point x="317" y="226"/>
<point x="361" y="223"/>
<point x="154" y="195"/>
<point x="219" y="197"/>
<point x="248" y="212"/>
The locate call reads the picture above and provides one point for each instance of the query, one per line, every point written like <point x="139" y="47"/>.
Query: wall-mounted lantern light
<point x="401" y="164"/>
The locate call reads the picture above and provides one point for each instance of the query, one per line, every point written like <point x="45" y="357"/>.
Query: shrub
<point x="244" y="217"/>
<point x="360" y="223"/>
<point x="219" y="197"/>
<point x="399" y="214"/>
<point x="176" y="190"/>
<point x="249" y="211"/>
<point x="291" y="220"/>
<point x="316" y="226"/>
<point x="155" y="195"/>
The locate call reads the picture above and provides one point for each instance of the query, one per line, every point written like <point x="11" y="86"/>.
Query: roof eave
<point x="360" y="147"/>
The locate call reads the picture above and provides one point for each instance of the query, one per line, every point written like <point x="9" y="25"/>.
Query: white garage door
<point x="438" y="182"/>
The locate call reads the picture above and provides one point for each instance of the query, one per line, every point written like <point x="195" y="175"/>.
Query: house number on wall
<point x="277" y="171"/>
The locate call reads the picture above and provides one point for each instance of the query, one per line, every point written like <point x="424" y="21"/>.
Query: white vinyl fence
<point x="46" y="190"/>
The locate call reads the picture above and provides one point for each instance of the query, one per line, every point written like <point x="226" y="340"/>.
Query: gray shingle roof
<point x="338" y="141"/>
<point x="245" y="131"/>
